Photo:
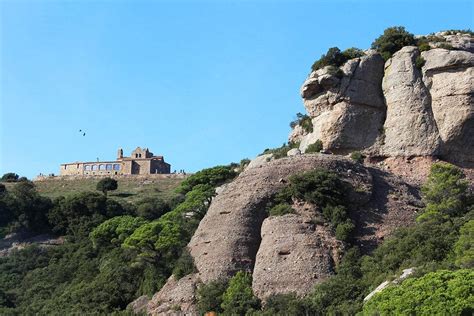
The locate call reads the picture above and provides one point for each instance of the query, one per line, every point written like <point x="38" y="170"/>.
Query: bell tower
<point x="119" y="154"/>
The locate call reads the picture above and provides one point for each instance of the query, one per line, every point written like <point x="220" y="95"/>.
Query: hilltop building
<point x="141" y="161"/>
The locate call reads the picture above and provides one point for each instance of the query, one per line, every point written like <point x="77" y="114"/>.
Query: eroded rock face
<point x="397" y="109"/>
<point x="294" y="255"/>
<point x="410" y="128"/>
<point x="236" y="233"/>
<point x="346" y="106"/>
<point x="449" y="76"/>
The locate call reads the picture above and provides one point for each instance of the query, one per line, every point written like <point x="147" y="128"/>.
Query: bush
<point x="344" y="230"/>
<point x="106" y="184"/>
<point x="209" y="297"/>
<point x="438" y="293"/>
<point x="304" y="121"/>
<point x="316" y="147"/>
<point x="357" y="156"/>
<point x="281" y="209"/>
<point x="446" y="46"/>
<point x="319" y="187"/>
<point x="334" y="57"/>
<point x="285" y="304"/>
<point x="419" y="62"/>
<point x="238" y="298"/>
<point x="392" y="40"/>
<point x="184" y="265"/>
<point x="10" y="177"/>
<point x="282" y="151"/>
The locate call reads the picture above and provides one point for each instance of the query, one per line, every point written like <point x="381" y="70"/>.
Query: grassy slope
<point x="129" y="189"/>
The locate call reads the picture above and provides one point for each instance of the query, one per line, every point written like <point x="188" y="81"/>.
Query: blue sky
<point x="200" y="82"/>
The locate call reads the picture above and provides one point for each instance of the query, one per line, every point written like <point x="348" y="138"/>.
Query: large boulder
<point x="410" y="128"/>
<point x="449" y="77"/>
<point x="346" y="105"/>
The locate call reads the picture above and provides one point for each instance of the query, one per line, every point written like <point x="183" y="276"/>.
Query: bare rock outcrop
<point x="294" y="255"/>
<point x="398" y="109"/>
<point x="346" y="105"/>
<point x="449" y="76"/>
<point x="410" y="128"/>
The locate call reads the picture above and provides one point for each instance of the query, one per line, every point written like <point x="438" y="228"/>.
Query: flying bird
<point x="84" y="134"/>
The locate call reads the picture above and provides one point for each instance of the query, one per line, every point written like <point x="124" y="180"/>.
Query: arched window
<point x="102" y="167"/>
<point x="116" y="166"/>
<point x="109" y="166"/>
<point x="87" y="167"/>
<point x="94" y="167"/>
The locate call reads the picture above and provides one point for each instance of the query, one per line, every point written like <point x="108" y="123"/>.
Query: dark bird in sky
<point x="84" y="134"/>
<point x="80" y="130"/>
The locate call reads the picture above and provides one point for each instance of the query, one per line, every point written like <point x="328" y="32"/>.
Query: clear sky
<point x="200" y="82"/>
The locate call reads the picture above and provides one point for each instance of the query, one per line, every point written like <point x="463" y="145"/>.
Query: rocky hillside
<point x="417" y="103"/>
<point x="405" y="111"/>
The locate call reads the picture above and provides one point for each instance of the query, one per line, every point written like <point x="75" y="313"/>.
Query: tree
<point x="152" y="208"/>
<point x="211" y="176"/>
<point x="10" y="177"/>
<point x="238" y="298"/>
<point x="445" y="192"/>
<point x="392" y="40"/>
<point x="107" y="184"/>
<point x="114" y="231"/>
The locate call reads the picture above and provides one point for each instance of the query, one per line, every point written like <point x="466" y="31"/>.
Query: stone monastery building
<point x="141" y="161"/>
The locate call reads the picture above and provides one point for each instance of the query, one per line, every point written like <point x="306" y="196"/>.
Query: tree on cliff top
<point x="392" y="40"/>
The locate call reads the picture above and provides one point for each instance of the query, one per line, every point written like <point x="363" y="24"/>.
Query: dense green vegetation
<point x="112" y="254"/>
<point x="392" y="40"/>
<point x="107" y="184"/>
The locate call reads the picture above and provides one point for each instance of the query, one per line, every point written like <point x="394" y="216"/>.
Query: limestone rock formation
<point x="346" y="106"/>
<point x="449" y="76"/>
<point x="398" y="109"/>
<point x="410" y="128"/>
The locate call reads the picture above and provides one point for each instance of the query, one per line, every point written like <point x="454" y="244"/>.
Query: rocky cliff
<point x="403" y="113"/>
<point x="414" y="104"/>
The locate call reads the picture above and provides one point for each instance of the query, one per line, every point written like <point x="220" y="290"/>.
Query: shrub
<point x="334" y="57"/>
<point x="352" y="53"/>
<point x="335" y="214"/>
<point x="446" y="46"/>
<point x="438" y="293"/>
<point x="316" y="147"/>
<point x="106" y="184"/>
<point x="357" y="156"/>
<point x="285" y="304"/>
<point x="344" y="230"/>
<point x="392" y="40"/>
<point x="10" y="177"/>
<point x="281" y="209"/>
<point x="319" y="187"/>
<point x="184" y="265"/>
<point x="419" y="62"/>
<point x="238" y="298"/>
<point x="304" y="121"/>
<point x="209" y="297"/>
<point x="282" y="151"/>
